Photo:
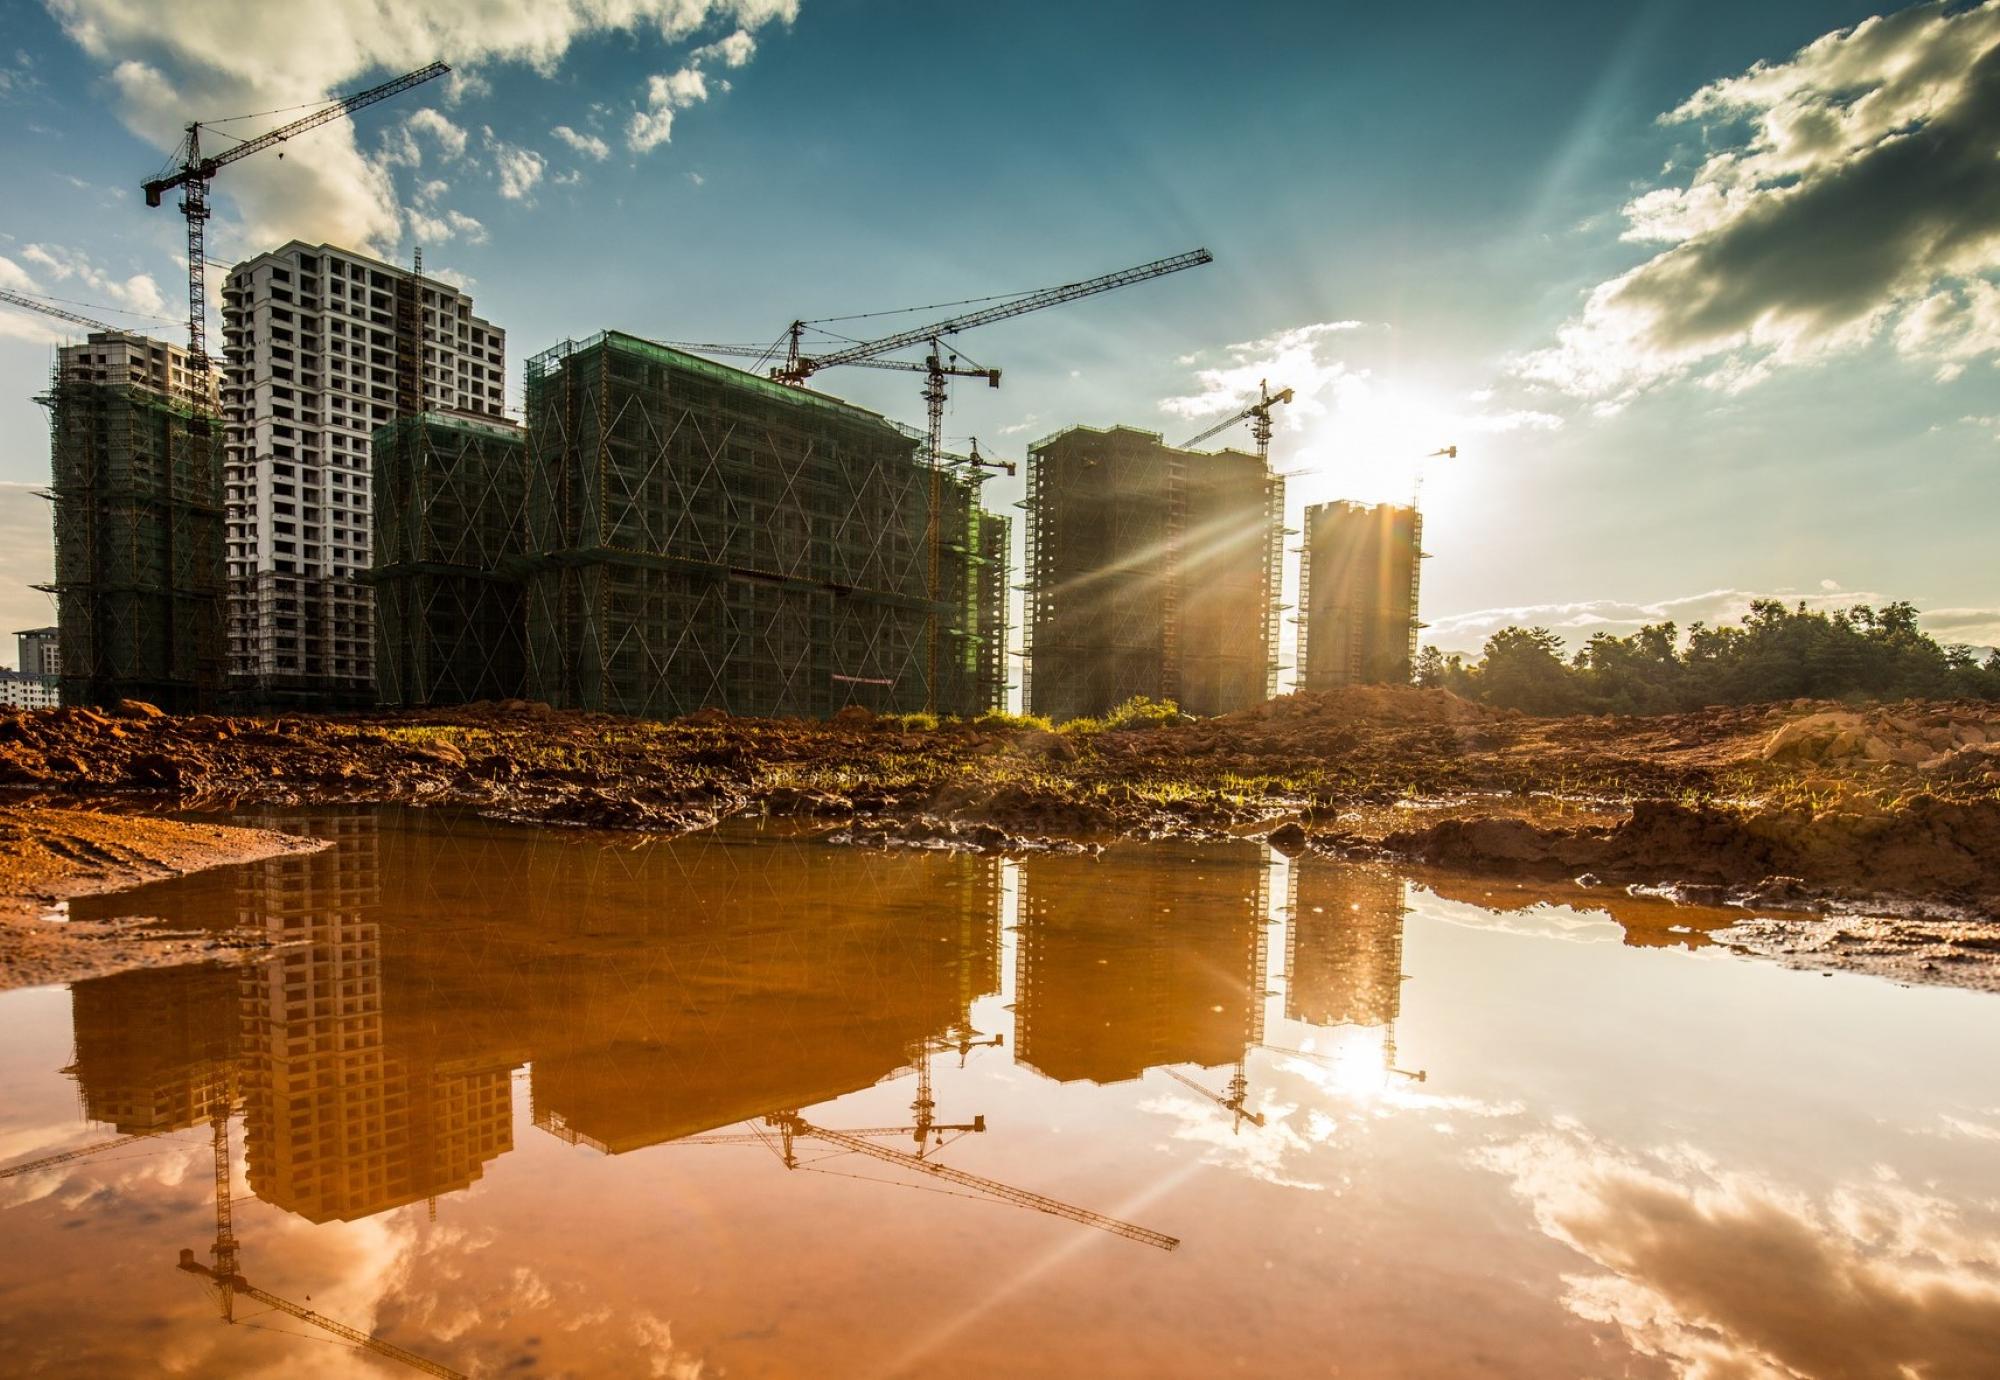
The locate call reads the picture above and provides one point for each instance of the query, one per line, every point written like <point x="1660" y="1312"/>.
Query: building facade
<point x="136" y="480"/>
<point x="324" y="346"/>
<point x="38" y="651"/>
<point x="449" y="623"/>
<point x="1151" y="571"/>
<point x="1358" y="579"/>
<point x="25" y="690"/>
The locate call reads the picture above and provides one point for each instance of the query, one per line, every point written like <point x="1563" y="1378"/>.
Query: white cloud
<point x="403" y="145"/>
<point x="518" y="169"/>
<point x="1290" y="358"/>
<point x="51" y="263"/>
<point x="1724" y="1273"/>
<point x="587" y="144"/>
<point x="172" y="62"/>
<point x="733" y="51"/>
<point x="1854" y="194"/>
<point x="666" y="92"/>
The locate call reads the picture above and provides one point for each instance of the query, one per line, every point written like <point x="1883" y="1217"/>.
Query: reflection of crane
<point x="81" y="1152"/>
<point x="791" y="1127"/>
<point x="798" y="366"/>
<point x="1258" y="412"/>
<point x="228" y="1281"/>
<point x="1230" y="1099"/>
<point x="196" y="169"/>
<point x="929" y="1135"/>
<point x="1388" y="1057"/>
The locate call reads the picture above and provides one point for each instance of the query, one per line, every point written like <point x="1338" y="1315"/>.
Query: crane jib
<point x="1020" y="306"/>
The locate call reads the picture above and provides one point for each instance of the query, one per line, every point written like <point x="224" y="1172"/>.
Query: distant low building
<point x="39" y="651"/>
<point x="24" y="690"/>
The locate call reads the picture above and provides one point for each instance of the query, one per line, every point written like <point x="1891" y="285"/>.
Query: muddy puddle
<point x="550" y="1103"/>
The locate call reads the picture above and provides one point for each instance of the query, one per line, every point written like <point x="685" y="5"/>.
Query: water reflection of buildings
<point x="658" y="992"/>
<point x="344" y="1119"/>
<point x="1129" y="961"/>
<point x="778" y="977"/>
<point x="1344" y="946"/>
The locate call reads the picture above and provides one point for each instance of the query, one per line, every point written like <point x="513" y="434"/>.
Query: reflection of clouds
<point x="1965" y="1128"/>
<point x="1731" y="1275"/>
<point x="1258" y="1151"/>
<point x="1544" y="920"/>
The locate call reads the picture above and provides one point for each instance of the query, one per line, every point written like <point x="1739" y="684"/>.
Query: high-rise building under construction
<point x="135" y="476"/>
<point x="1358" y="595"/>
<point x="450" y="621"/>
<point x="324" y="346"/>
<point x="698" y="536"/>
<point x="1151" y="571"/>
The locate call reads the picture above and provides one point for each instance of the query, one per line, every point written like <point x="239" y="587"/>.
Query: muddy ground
<point x="48" y="855"/>
<point x="1781" y="810"/>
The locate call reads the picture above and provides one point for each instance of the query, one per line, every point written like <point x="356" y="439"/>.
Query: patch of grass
<point x="1000" y="718"/>
<point x="1142" y="711"/>
<point x="918" y="721"/>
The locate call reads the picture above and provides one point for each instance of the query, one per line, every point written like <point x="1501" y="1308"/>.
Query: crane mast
<point x="1259" y="415"/>
<point x="198" y="169"/>
<point x="800" y="366"/>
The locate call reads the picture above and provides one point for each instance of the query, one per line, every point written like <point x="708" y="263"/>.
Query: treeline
<point x="1777" y="653"/>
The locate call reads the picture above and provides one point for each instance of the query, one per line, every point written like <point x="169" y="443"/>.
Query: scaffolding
<point x="699" y="536"/>
<point x="1359" y="575"/>
<point x="1151" y="571"/>
<point x="449" y="625"/>
<point x="136" y="482"/>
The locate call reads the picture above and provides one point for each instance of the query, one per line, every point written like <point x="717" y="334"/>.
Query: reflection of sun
<point x="1353" y="1071"/>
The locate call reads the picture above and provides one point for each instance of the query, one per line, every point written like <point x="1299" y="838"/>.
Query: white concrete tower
<point x="323" y="346"/>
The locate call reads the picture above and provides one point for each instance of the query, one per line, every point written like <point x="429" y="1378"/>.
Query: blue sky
<point x="1681" y="366"/>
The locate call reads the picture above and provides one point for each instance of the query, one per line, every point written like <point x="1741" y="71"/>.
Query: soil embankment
<point x="1895" y="807"/>
<point x="49" y="854"/>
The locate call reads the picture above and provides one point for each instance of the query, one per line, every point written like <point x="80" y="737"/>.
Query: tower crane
<point x="792" y="1127"/>
<point x="1230" y="1099"/>
<point x="197" y="169"/>
<point x="81" y="1152"/>
<point x="1259" y="414"/>
<point x="798" y="366"/>
<point x="229" y="1282"/>
<point x="1417" y="488"/>
<point x="16" y="299"/>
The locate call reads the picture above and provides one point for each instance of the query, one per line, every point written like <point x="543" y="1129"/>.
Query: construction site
<point x="697" y="536"/>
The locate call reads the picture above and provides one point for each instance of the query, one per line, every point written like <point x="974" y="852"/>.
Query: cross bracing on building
<point x="691" y="535"/>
